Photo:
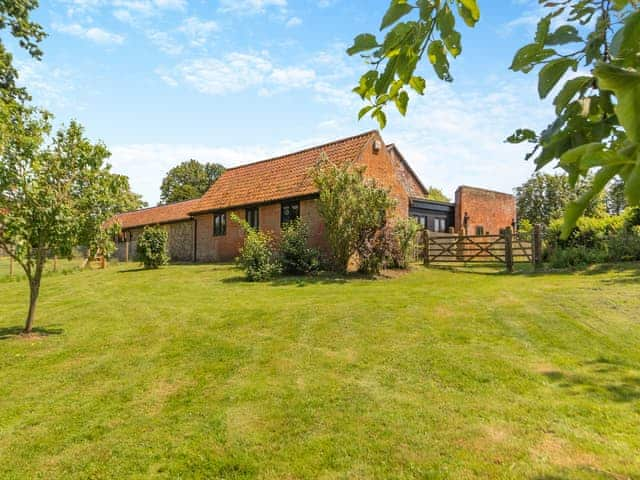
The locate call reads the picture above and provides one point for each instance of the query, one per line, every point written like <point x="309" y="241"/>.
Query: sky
<point x="237" y="81"/>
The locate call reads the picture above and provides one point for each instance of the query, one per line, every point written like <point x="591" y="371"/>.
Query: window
<point x="252" y="216"/>
<point x="219" y="224"/>
<point x="421" y="219"/>
<point x="439" y="225"/>
<point x="290" y="211"/>
<point x="479" y="230"/>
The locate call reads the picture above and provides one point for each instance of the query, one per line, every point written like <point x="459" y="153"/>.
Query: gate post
<point x="537" y="246"/>
<point x="10" y="266"/>
<point x="508" y="249"/>
<point x="426" y="248"/>
<point x="460" y="246"/>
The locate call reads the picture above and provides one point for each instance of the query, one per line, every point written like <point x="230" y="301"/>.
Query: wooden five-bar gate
<point x="507" y="248"/>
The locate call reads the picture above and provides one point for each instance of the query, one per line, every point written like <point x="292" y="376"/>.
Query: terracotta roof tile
<point x="277" y="178"/>
<point x="157" y="215"/>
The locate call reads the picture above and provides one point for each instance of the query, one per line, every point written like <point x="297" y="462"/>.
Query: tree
<point x="189" y="180"/>
<point x="436" y="194"/>
<point x="56" y="192"/>
<point x="14" y="15"/>
<point x="597" y="126"/>
<point x="544" y="197"/>
<point x="129" y="201"/>
<point x="353" y="209"/>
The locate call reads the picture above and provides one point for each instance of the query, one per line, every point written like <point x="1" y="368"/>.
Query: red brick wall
<point x="380" y="167"/>
<point x="491" y="210"/>
<point x="225" y="248"/>
<point x="405" y="176"/>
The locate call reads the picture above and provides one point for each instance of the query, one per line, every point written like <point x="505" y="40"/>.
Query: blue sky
<point x="235" y="81"/>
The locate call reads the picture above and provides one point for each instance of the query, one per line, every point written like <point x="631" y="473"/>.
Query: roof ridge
<point x="308" y="149"/>
<point x="159" y="206"/>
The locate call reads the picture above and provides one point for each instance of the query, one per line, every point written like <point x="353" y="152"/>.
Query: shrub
<point x="575" y="257"/>
<point x="353" y="209"/>
<point x="405" y="232"/>
<point x="590" y="232"/>
<point x="295" y="254"/>
<point x="152" y="247"/>
<point x="375" y="250"/>
<point x="257" y="257"/>
<point x="624" y="247"/>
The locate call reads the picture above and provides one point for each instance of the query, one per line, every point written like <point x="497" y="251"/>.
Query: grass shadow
<point x="601" y="377"/>
<point x="7" y="333"/>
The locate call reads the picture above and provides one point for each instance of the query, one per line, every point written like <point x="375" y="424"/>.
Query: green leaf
<point x="626" y="41"/>
<point x="523" y="135"/>
<point x="445" y="21"/>
<point x="364" y="111"/>
<point x="543" y="30"/>
<point x="569" y="90"/>
<point x="551" y="74"/>
<point x="525" y="58"/>
<point x="625" y="84"/>
<point x="426" y="9"/>
<point x="563" y="35"/>
<point x="384" y="82"/>
<point x="380" y="116"/>
<point x="397" y="10"/>
<point x="474" y="12"/>
<point x="402" y="100"/>
<point x="453" y="43"/>
<point x="362" y="43"/>
<point x="366" y="84"/>
<point x="632" y="184"/>
<point x="576" y="208"/>
<point x="438" y="59"/>
<point x="418" y="84"/>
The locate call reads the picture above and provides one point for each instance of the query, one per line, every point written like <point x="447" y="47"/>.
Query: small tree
<point x="152" y="247"/>
<point x="55" y="194"/>
<point x="257" y="256"/>
<point x="353" y="209"/>
<point x="296" y="255"/>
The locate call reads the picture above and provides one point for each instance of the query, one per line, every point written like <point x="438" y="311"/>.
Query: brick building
<point x="271" y="192"/>
<point x="174" y="218"/>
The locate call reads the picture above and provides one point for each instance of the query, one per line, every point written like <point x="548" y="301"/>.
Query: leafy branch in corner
<point x="430" y="30"/>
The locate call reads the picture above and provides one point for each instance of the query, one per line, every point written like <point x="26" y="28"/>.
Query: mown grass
<point x="190" y="372"/>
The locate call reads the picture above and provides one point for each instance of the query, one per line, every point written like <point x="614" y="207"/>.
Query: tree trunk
<point x="34" y="292"/>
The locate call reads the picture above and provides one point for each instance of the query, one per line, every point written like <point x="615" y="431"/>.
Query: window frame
<point x="289" y="204"/>
<point x="256" y="211"/>
<point x="223" y="231"/>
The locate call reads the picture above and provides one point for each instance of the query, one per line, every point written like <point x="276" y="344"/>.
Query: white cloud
<point x="293" y="22"/>
<point x="93" y="34"/>
<point x="293" y="77"/>
<point x="198" y="31"/>
<point x="51" y="87"/>
<point x="165" y="42"/>
<point x="250" y="7"/>
<point x="233" y="73"/>
<point x="237" y="72"/>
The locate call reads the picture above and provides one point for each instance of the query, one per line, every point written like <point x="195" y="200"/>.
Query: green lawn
<point x="189" y="372"/>
<point x="61" y="266"/>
